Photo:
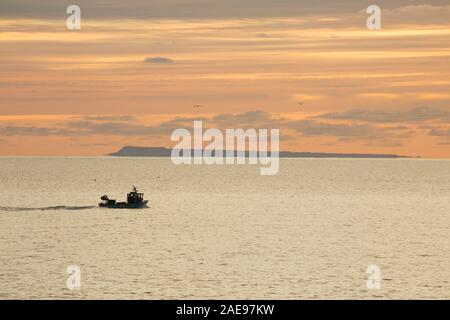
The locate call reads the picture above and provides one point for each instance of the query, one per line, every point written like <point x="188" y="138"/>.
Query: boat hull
<point x="123" y="205"/>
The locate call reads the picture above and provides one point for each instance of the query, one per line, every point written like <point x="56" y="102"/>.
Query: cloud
<point x="177" y="8"/>
<point x="421" y="8"/>
<point x="84" y="127"/>
<point x="437" y="132"/>
<point x="227" y="120"/>
<point x="24" y="130"/>
<point x="247" y="119"/>
<point x="158" y="60"/>
<point x="415" y="115"/>
<point x="185" y="9"/>
<point x="443" y="134"/>
<point x="348" y="131"/>
<point x="129" y="126"/>
<point x="111" y="118"/>
<point x="383" y="143"/>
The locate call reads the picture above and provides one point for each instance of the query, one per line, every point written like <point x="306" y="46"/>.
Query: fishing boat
<point x="135" y="200"/>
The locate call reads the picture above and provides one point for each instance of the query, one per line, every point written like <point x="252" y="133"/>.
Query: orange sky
<point x="129" y="81"/>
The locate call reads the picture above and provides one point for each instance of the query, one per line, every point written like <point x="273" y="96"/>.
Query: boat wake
<point x="16" y="209"/>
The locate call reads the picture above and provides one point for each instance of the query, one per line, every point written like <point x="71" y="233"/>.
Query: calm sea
<point x="215" y="232"/>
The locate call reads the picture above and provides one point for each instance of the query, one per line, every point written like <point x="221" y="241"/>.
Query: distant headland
<point x="131" y="151"/>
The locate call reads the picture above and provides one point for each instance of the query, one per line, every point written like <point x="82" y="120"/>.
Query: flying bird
<point x="300" y="103"/>
<point x="196" y="106"/>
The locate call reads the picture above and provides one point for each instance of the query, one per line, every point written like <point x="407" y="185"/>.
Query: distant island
<point x="131" y="151"/>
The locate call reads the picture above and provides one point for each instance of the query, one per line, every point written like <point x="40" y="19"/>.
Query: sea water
<point x="225" y="232"/>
